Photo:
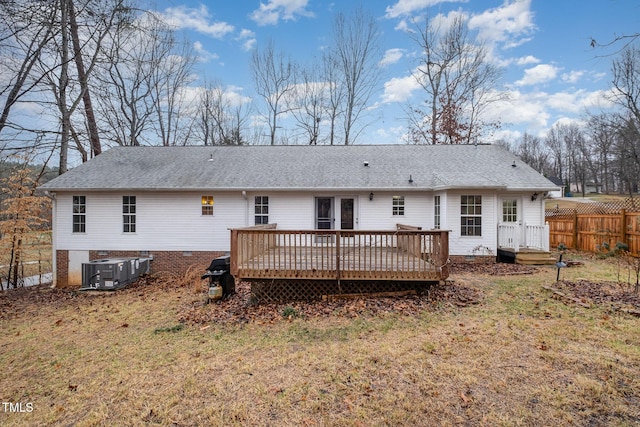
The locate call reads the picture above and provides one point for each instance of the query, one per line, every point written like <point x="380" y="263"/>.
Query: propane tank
<point x="215" y="292"/>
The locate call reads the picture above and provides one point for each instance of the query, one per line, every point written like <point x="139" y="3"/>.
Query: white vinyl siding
<point x="164" y="221"/>
<point x="174" y="220"/>
<point x="464" y="245"/>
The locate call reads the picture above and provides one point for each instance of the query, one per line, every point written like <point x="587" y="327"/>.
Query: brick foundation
<point x="62" y="269"/>
<point x="174" y="262"/>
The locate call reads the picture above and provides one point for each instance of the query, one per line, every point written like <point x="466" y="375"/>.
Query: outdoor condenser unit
<point x="113" y="273"/>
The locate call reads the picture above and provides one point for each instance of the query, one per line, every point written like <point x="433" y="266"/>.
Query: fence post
<point x="575" y="230"/>
<point x="623" y="228"/>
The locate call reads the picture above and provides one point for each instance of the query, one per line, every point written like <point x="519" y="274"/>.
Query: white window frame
<point x="471" y="215"/>
<point x="129" y="214"/>
<point x="79" y="224"/>
<point x="207" y="205"/>
<point x="398" y="206"/>
<point x="261" y="210"/>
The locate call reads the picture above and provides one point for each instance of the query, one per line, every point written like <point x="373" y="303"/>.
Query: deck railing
<point x="339" y="254"/>
<point x="516" y="236"/>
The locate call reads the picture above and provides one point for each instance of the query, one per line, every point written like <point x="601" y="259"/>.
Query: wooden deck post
<point x="444" y="253"/>
<point x="338" y="244"/>
<point x="234" y="253"/>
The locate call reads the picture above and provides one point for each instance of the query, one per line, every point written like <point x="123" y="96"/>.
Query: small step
<point x="535" y="258"/>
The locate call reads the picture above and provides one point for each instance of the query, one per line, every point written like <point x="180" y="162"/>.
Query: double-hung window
<point x="471" y="215"/>
<point x="79" y="214"/>
<point x="398" y="205"/>
<point x="207" y="205"/>
<point x="261" y="210"/>
<point x="129" y="214"/>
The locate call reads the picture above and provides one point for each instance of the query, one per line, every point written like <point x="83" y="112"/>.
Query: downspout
<point x="246" y="208"/>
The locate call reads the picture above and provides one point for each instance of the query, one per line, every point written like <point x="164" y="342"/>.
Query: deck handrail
<point x="339" y="254"/>
<point x="516" y="236"/>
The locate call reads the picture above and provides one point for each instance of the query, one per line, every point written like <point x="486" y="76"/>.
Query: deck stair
<point x="534" y="257"/>
<point x="526" y="256"/>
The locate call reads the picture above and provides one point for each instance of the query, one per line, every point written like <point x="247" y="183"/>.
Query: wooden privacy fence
<point x="594" y="227"/>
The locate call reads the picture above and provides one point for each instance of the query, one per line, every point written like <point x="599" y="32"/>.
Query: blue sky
<point x="549" y="69"/>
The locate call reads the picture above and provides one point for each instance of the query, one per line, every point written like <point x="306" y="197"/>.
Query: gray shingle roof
<point x="303" y="168"/>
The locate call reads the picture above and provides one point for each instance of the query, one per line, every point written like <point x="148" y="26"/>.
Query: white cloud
<point x="572" y="76"/>
<point x="391" y="56"/>
<point x="233" y="95"/>
<point x="538" y="74"/>
<point x="248" y="39"/>
<point x="399" y="89"/>
<point x="507" y="24"/>
<point x="196" y="19"/>
<point x="521" y="109"/>
<point x="578" y="101"/>
<point x="527" y="60"/>
<point x="203" y="54"/>
<point x="407" y="7"/>
<point x="271" y="12"/>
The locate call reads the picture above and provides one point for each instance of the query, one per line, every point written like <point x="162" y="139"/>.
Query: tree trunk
<point x="94" y="137"/>
<point x="62" y="98"/>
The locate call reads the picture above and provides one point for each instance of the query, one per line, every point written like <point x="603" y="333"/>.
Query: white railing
<point x="516" y="236"/>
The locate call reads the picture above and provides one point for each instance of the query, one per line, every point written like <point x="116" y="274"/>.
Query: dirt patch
<point x="618" y="296"/>
<point x="492" y="268"/>
<point x="239" y="308"/>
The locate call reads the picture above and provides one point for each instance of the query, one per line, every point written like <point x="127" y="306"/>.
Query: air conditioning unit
<point x="113" y="273"/>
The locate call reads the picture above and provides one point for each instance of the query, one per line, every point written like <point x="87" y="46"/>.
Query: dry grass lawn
<point x="519" y="358"/>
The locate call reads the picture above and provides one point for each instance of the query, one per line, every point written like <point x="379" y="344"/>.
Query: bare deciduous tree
<point x="356" y="55"/>
<point x="532" y="151"/>
<point x="335" y="92"/>
<point x="310" y="102"/>
<point x="459" y="82"/>
<point x="273" y="76"/>
<point x="25" y="30"/>
<point x="221" y="118"/>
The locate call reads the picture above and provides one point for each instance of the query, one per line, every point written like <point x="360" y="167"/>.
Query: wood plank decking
<point x="335" y="255"/>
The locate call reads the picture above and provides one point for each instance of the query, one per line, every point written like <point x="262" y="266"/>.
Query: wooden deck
<point x="262" y="253"/>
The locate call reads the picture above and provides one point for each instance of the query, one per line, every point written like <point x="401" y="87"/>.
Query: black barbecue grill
<point x="219" y="272"/>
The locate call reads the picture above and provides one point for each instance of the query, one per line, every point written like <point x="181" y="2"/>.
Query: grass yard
<point x="520" y="356"/>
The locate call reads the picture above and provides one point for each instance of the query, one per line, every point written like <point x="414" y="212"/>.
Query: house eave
<point x="267" y="189"/>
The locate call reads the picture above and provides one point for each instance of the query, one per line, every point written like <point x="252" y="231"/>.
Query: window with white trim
<point x="207" y="205"/>
<point x="261" y="210"/>
<point x="398" y="205"/>
<point x="79" y="214"/>
<point x="471" y="215"/>
<point x="509" y="210"/>
<point x="436" y="212"/>
<point x="129" y="214"/>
